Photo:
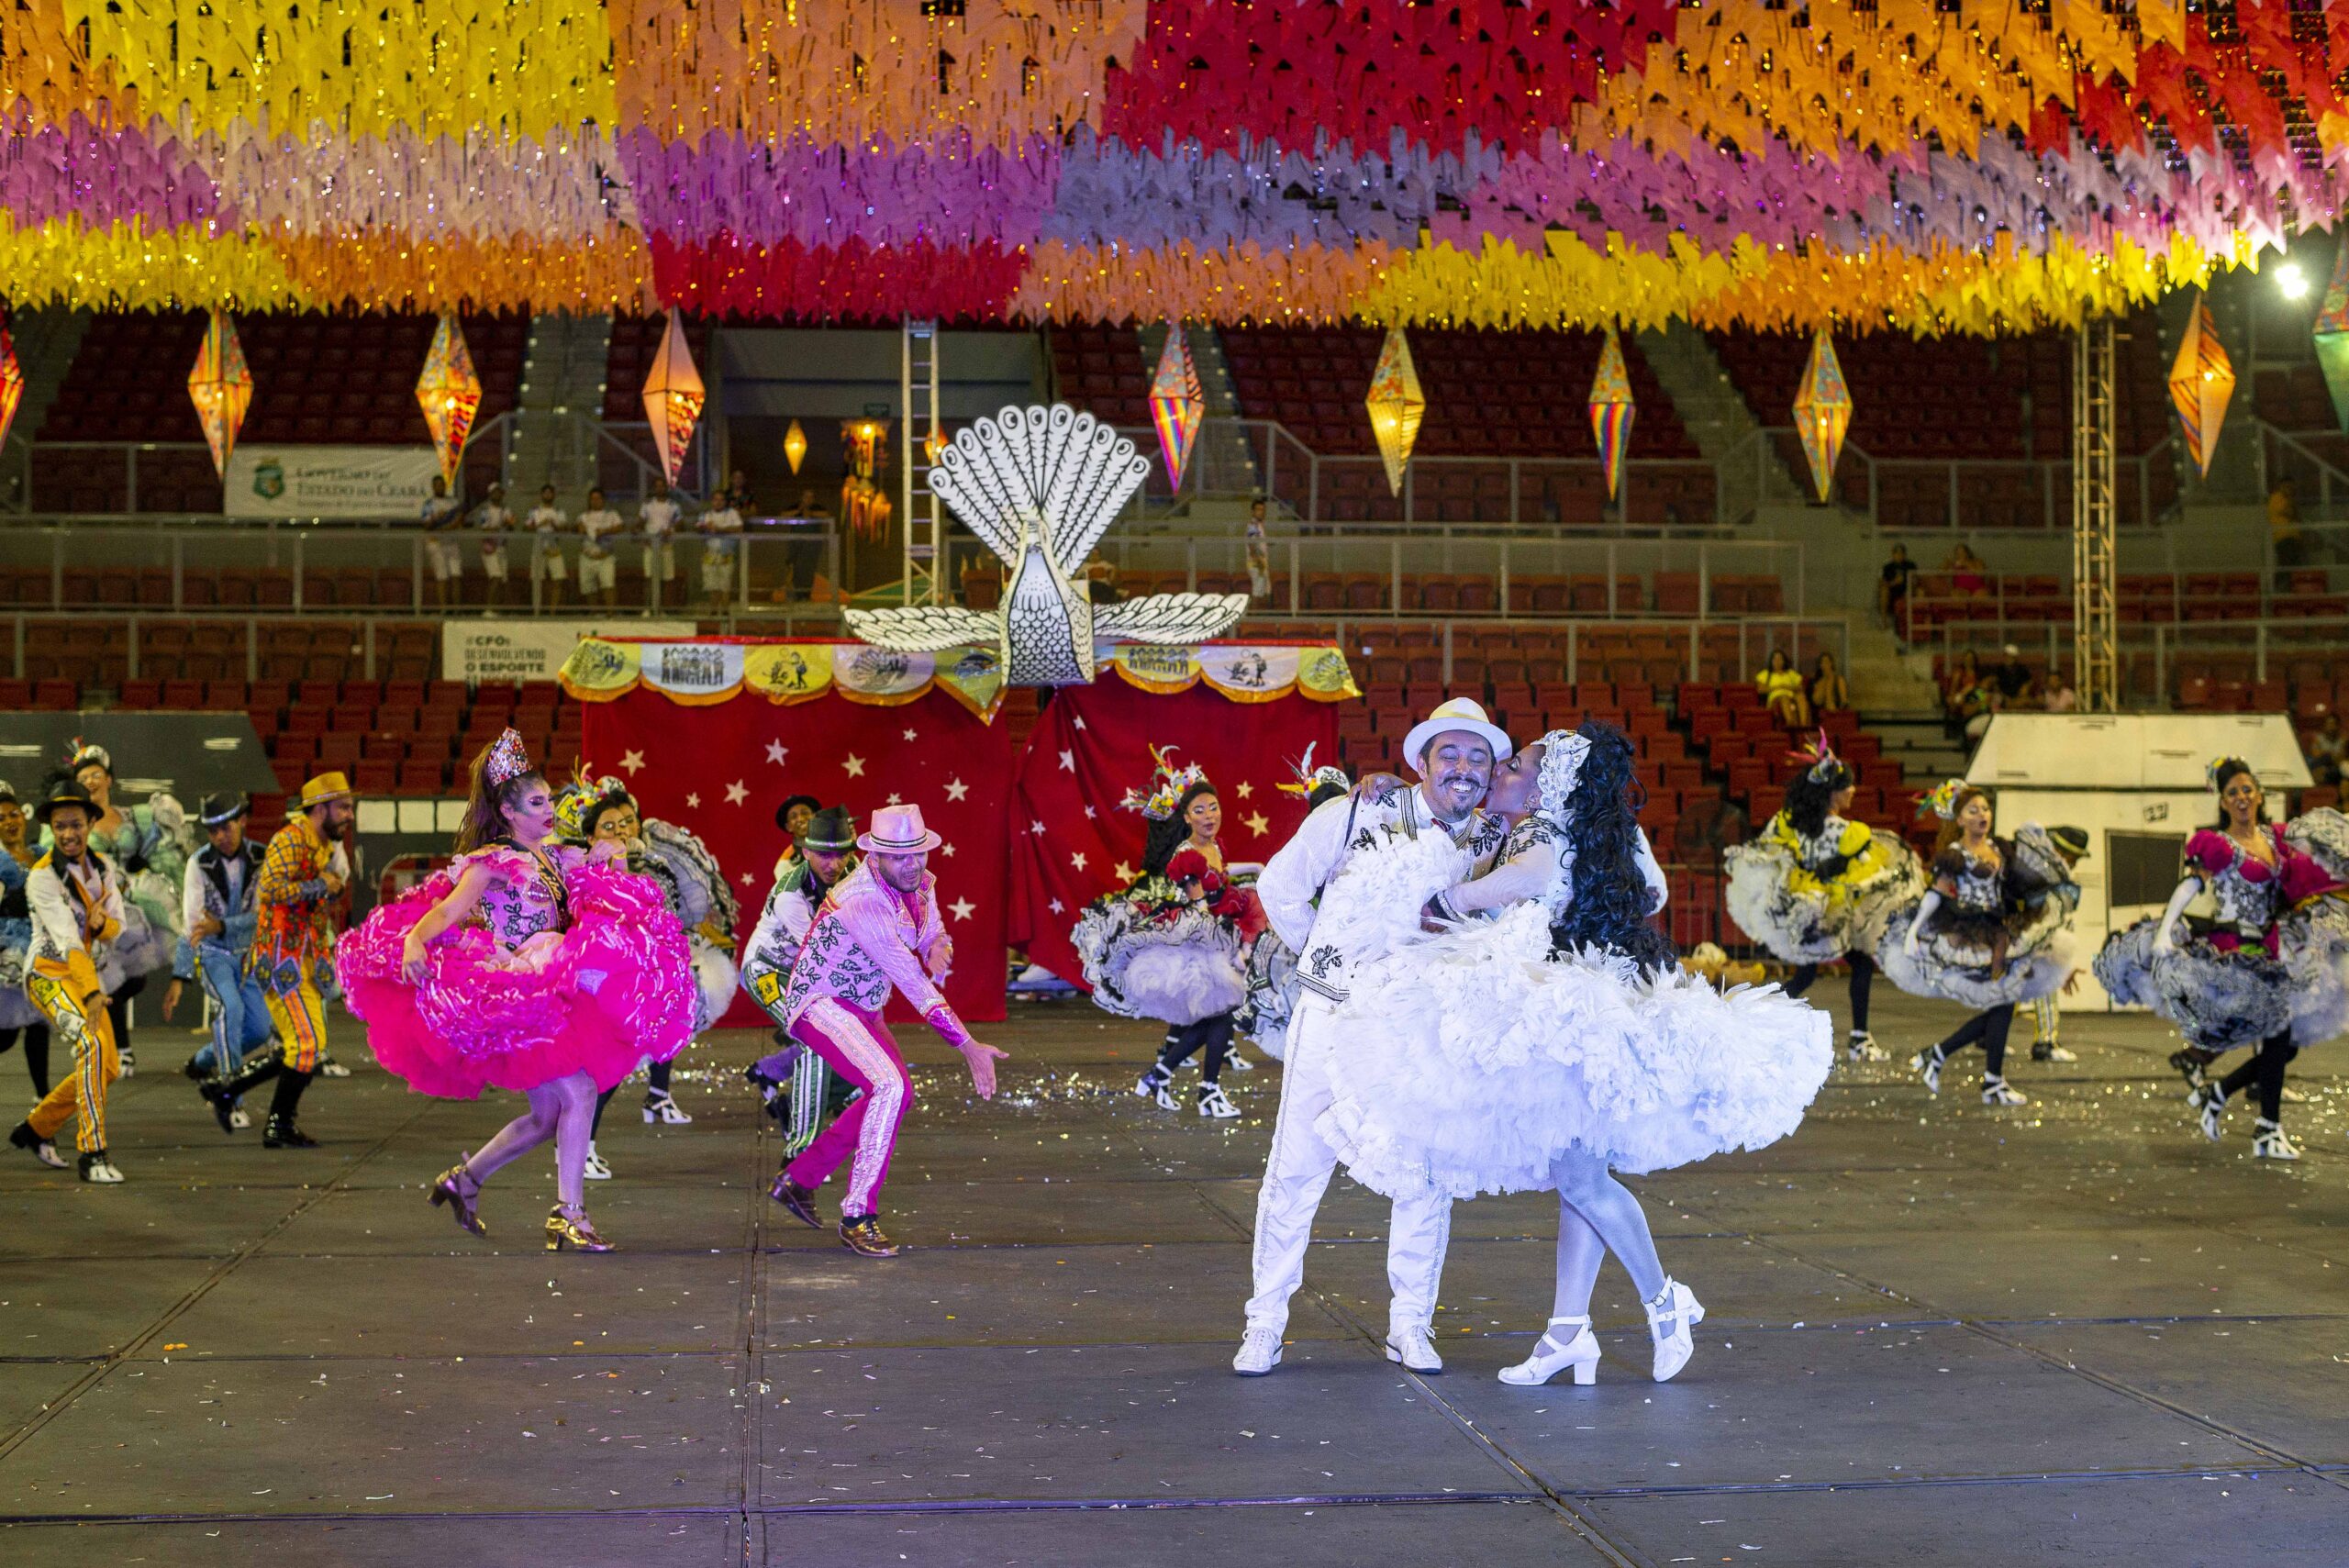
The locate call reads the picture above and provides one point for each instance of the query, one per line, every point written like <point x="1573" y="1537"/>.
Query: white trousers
<point x="1298" y="1172"/>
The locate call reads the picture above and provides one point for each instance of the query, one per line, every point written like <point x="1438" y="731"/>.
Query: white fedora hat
<point x="898" y="830"/>
<point x="1458" y="714"/>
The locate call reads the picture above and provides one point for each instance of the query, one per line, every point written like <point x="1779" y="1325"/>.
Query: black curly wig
<point x="1167" y="833"/>
<point x="1809" y="799"/>
<point x="1609" y="909"/>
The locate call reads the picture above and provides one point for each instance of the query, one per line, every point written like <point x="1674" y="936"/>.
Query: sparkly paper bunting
<point x="12" y="383"/>
<point x="673" y="396"/>
<point x="1177" y="405"/>
<point x="2201" y="382"/>
<point x="2331" y="334"/>
<point x="222" y="388"/>
<point x="1822" y="413"/>
<point x="1612" y="412"/>
<point x="1397" y="405"/>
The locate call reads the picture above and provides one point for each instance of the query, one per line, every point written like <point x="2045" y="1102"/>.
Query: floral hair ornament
<point x="1941" y="799"/>
<point x="1310" y="778"/>
<point x="1820" y="758"/>
<point x="507" y="759"/>
<point x="2211" y="768"/>
<point x="1167" y="786"/>
<point x="81" y="753"/>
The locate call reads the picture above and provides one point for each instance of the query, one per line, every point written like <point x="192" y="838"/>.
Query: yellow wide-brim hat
<point x="325" y="787"/>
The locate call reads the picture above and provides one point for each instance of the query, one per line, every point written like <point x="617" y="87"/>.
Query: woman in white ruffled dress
<point x="1557" y="1042"/>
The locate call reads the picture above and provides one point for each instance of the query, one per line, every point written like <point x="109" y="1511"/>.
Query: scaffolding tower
<point x="2095" y="479"/>
<point x="924" y="531"/>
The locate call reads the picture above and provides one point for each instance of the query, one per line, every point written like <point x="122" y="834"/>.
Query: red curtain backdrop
<point x="1092" y="744"/>
<point x="722" y="768"/>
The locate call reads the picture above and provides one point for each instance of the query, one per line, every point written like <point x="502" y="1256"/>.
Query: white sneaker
<point x="238" y="1118"/>
<point x="1214" y="1101"/>
<point x="1414" y="1348"/>
<point x="2053" y="1053"/>
<point x="1552" y="1355"/>
<point x="330" y="1068"/>
<point x="1997" y="1091"/>
<point x="2272" y="1142"/>
<point x="129" y="1063"/>
<point x="46" y="1152"/>
<point x="1861" y="1046"/>
<point x="99" y="1171"/>
<point x="1678" y="1306"/>
<point x="596" y="1170"/>
<point x="1260" y="1351"/>
<point x="664" y="1109"/>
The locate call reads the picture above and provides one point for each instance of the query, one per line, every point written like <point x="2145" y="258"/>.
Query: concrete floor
<point x="2070" y="1333"/>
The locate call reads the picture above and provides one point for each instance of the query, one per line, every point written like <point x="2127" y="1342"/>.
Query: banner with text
<point x="531" y="649"/>
<point x="329" y="482"/>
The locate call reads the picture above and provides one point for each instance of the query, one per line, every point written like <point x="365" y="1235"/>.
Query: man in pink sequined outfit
<point x="878" y="930"/>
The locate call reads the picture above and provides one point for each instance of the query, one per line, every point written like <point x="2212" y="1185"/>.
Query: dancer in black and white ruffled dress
<point x="1557" y="1041"/>
<point x="2265" y="974"/>
<point x="1172" y="945"/>
<point x="1993" y="929"/>
<point x="1815" y="886"/>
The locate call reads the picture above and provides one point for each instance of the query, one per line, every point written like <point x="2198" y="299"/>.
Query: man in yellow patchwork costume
<point x="75" y="894"/>
<point x="304" y="873"/>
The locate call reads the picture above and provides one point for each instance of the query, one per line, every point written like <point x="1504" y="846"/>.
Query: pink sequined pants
<point x="858" y="1045"/>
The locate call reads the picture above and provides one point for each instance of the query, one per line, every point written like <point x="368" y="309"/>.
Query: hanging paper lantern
<point x="795" y="446"/>
<point x="1612" y="412"/>
<point x="450" y="394"/>
<point x="672" y="395"/>
<point x="12" y="383"/>
<point x="1397" y="405"/>
<point x="1177" y="405"/>
<point x="2201" y="381"/>
<point x="222" y="388"/>
<point x="1822" y="413"/>
<point x="2332" y="334"/>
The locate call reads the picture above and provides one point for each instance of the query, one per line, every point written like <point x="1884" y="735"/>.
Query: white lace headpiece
<point x="1562" y="754"/>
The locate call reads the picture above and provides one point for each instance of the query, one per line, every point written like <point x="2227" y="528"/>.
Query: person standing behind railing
<point x="441" y="515"/>
<point x="1260" y="553"/>
<point x="495" y="521"/>
<point x="547" y="521"/>
<point x="721" y="534"/>
<point x="656" y="518"/>
<point x="1892" y="591"/>
<point x="2284" y="533"/>
<point x="598" y="573"/>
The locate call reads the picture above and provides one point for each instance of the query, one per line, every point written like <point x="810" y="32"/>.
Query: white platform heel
<point x="1676" y="1306"/>
<point x="1550" y="1358"/>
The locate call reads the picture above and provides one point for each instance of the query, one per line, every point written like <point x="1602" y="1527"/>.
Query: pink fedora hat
<point x="897" y="830"/>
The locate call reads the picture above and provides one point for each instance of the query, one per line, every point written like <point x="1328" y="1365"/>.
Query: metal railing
<point x="1512" y="569"/>
<point x="2154" y="647"/>
<point x="1989" y="495"/>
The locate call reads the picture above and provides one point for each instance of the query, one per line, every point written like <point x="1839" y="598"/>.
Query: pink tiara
<point x="508" y="761"/>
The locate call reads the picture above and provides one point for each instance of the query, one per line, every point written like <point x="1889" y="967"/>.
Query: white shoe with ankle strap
<point x="1552" y="1355"/>
<point x="1672" y="1315"/>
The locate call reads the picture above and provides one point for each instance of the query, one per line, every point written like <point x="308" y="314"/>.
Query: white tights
<point x="1597" y="1213"/>
<point x="564" y="1110"/>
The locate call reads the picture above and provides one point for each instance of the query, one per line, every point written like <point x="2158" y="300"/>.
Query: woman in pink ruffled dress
<point x="526" y="965"/>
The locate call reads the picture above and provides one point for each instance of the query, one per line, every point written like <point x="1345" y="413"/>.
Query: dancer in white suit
<point x="1452" y="750"/>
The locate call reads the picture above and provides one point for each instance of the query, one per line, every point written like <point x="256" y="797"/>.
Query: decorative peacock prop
<point x="1041" y="485"/>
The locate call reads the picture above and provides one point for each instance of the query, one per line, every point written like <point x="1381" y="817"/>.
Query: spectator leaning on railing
<point x="439" y="515"/>
<point x="495" y="521"/>
<point x="2284" y="532"/>
<point x="2326" y="749"/>
<point x="1892" y="591"/>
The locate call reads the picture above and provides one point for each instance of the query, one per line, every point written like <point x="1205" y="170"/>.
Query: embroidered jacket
<point x="781" y="931"/>
<point x="1292" y="879"/>
<point x="294" y="929"/>
<point x="867" y="939"/>
<point x="225" y="888"/>
<point x="76" y="905"/>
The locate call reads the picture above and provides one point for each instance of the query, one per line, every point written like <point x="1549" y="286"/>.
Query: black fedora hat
<point x="65" y="792"/>
<point x="222" y="806"/>
<point x="831" y="830"/>
<point x="783" y="811"/>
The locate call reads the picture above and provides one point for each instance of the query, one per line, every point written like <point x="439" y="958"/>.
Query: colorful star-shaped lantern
<point x="1822" y="413"/>
<point x="12" y="383"/>
<point x="222" y="387"/>
<point x="673" y="396"/>
<point x="1612" y="412"/>
<point x="2331" y="334"/>
<point x="1397" y="405"/>
<point x="450" y="394"/>
<point x="1177" y="406"/>
<point x="2201" y="383"/>
<point x="795" y="446"/>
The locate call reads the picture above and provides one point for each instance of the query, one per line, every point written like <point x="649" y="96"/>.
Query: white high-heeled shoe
<point x="1677" y="1304"/>
<point x="1550" y="1358"/>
